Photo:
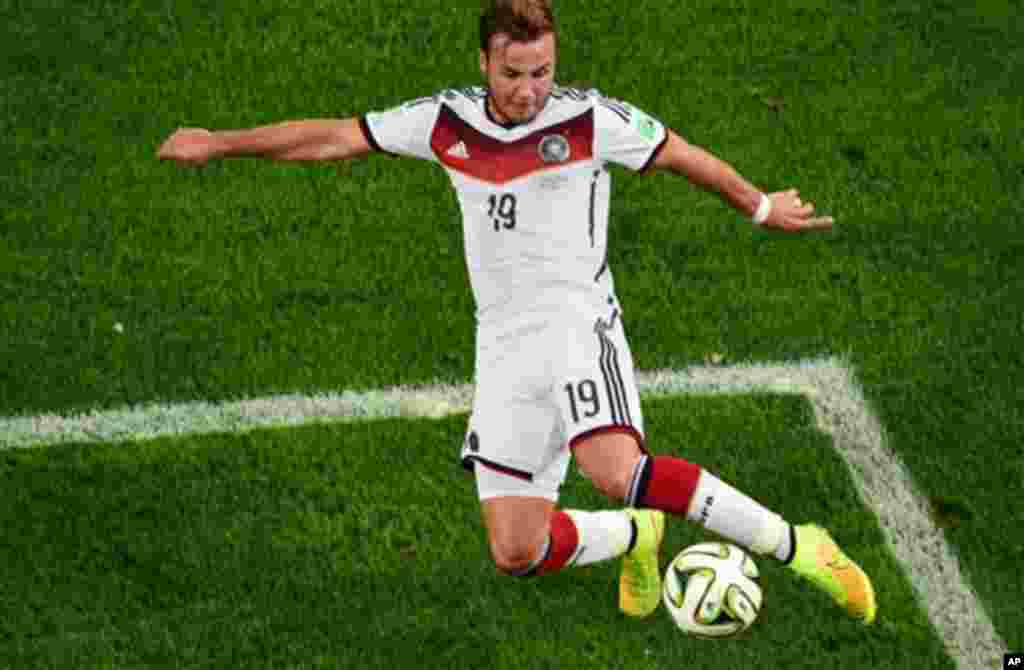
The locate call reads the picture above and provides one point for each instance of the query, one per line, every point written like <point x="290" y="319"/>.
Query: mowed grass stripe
<point x="882" y="482"/>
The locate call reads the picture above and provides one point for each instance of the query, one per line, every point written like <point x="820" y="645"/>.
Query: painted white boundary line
<point x="839" y="406"/>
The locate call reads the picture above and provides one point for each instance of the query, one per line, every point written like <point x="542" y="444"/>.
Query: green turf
<point x="361" y="545"/>
<point x="901" y="119"/>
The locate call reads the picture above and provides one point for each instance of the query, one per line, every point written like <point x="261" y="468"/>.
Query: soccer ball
<point x="712" y="590"/>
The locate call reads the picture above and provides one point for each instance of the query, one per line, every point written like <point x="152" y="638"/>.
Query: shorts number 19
<point x="586" y="393"/>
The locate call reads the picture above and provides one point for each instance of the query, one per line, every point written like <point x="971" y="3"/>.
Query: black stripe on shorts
<point x="612" y="372"/>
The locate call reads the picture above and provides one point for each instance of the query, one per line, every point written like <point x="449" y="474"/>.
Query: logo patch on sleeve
<point x="647" y="127"/>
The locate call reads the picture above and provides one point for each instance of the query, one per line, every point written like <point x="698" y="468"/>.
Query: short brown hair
<point x="521" y="20"/>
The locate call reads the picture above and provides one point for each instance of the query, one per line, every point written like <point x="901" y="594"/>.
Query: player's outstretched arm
<point x="306" y="140"/>
<point x="785" y="210"/>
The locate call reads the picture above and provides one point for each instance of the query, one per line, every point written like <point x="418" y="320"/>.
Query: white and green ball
<point x="712" y="590"/>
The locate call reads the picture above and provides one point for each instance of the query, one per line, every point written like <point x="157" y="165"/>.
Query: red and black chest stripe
<point x="488" y="159"/>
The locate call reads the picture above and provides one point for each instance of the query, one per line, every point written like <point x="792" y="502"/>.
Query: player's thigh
<point x="609" y="459"/>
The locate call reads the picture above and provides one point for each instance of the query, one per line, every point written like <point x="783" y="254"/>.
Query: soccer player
<point x="554" y="374"/>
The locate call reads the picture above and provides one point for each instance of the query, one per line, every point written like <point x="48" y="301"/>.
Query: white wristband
<point x="764" y="208"/>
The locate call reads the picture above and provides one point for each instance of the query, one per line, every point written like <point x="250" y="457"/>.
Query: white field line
<point x="839" y="406"/>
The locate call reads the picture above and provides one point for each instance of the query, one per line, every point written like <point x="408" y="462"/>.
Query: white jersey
<point x="534" y="196"/>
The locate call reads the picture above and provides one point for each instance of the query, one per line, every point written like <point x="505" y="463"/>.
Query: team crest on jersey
<point x="554" y="149"/>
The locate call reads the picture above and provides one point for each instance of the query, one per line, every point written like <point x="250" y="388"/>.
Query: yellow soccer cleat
<point x="640" y="582"/>
<point x="819" y="560"/>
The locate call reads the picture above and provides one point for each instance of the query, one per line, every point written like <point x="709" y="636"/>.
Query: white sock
<point x="735" y="516"/>
<point x="603" y="535"/>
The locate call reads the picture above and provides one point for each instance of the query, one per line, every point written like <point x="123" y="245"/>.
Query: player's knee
<point x="512" y="556"/>
<point x="517" y="530"/>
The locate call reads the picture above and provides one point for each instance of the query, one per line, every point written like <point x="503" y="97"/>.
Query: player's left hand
<point x="791" y="214"/>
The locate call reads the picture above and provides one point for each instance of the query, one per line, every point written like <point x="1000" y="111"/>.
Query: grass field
<point x="125" y="281"/>
<point x="301" y="552"/>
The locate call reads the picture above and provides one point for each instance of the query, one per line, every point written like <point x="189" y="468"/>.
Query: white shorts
<point x="540" y="387"/>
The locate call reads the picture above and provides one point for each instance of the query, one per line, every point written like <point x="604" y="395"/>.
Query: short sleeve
<point x="625" y="135"/>
<point x="404" y="130"/>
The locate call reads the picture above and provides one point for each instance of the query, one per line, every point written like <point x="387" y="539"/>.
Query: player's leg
<point x="529" y="534"/>
<point x="596" y="394"/>
<point x="617" y="465"/>
<point x="515" y="448"/>
<point x="684" y="489"/>
<point x="613" y="458"/>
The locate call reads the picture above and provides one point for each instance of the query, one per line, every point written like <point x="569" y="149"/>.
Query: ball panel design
<point x="712" y="590"/>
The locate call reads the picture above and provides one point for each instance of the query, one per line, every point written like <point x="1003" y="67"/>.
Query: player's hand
<point x="791" y="214"/>
<point x="189" y="146"/>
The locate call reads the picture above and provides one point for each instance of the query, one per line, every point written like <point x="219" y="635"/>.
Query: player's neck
<point x="496" y="117"/>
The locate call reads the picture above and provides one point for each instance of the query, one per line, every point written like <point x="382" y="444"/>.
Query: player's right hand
<point x="791" y="214"/>
<point x="189" y="146"/>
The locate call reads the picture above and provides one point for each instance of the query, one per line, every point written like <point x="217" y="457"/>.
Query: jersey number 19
<point x="502" y="211"/>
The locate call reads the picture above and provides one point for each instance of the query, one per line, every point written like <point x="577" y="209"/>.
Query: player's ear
<point x="483" y="63"/>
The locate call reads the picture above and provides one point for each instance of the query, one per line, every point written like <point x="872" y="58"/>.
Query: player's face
<point x="519" y="75"/>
